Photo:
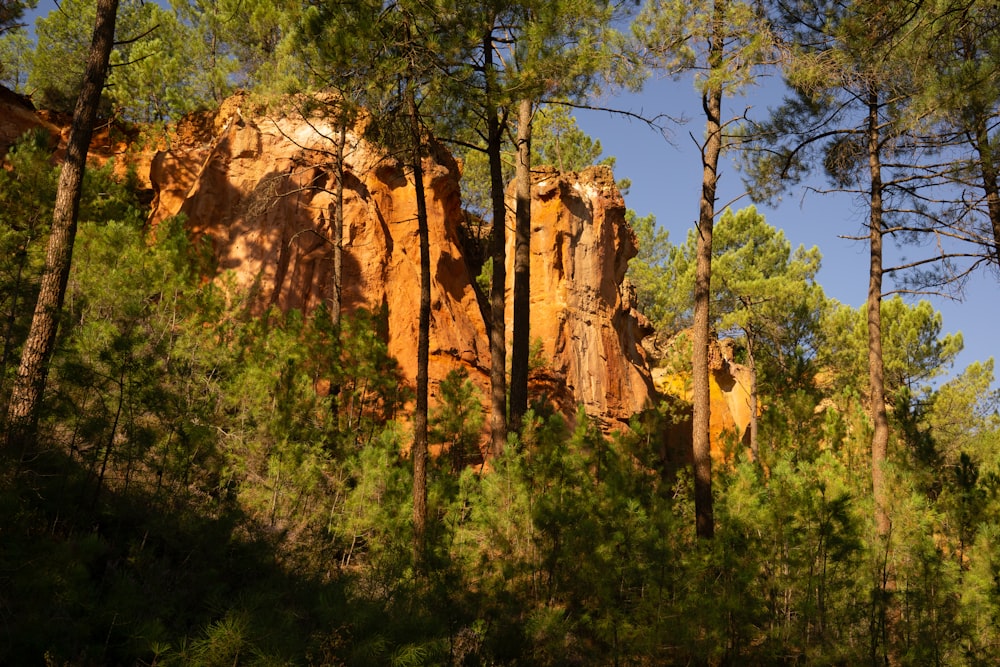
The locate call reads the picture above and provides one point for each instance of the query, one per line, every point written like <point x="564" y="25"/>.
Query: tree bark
<point x="754" y="422"/>
<point x="498" y="250"/>
<point x="419" y="451"/>
<point x="336" y="287"/>
<point x="29" y="385"/>
<point x="700" y="422"/>
<point x="521" y="339"/>
<point x="979" y="136"/>
<point x="988" y="173"/>
<point x="876" y="375"/>
<point x="886" y="615"/>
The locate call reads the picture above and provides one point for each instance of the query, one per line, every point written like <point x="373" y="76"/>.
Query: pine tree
<point x="562" y="49"/>
<point x="956" y="99"/>
<point x="760" y="289"/>
<point x="495" y="124"/>
<point x="16" y="54"/>
<point x="12" y="12"/>
<point x="726" y="41"/>
<point x="22" y="415"/>
<point x="852" y="91"/>
<point x="419" y="451"/>
<point x="27" y="190"/>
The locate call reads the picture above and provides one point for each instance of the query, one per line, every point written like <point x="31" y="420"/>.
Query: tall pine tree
<point x="724" y="42"/>
<point x="29" y="386"/>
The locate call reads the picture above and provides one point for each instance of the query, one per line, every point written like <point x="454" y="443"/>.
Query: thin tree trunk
<point x="700" y="437"/>
<point x="521" y="339"/>
<point x="337" y="241"/>
<point x="988" y="172"/>
<point x="885" y="617"/>
<point x="754" y="426"/>
<point x="29" y="385"/>
<point x="498" y="249"/>
<point x="336" y="289"/>
<point x="419" y="451"/>
<point x="876" y="377"/>
<point x="980" y="138"/>
<point x="111" y="437"/>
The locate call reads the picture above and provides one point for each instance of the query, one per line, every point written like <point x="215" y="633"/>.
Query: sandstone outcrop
<point x="260" y="188"/>
<point x="581" y="310"/>
<point x="729" y="395"/>
<point x="17" y="116"/>
<point x="108" y="140"/>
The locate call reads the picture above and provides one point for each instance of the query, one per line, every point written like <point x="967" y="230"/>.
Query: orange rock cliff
<point x="259" y="188"/>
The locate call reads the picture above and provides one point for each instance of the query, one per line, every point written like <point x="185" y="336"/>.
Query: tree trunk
<point x="754" y="425"/>
<point x="979" y="131"/>
<point x="498" y="250"/>
<point x="886" y="617"/>
<point x="700" y="422"/>
<point x="336" y="287"/>
<point x="111" y="436"/>
<point x="988" y="172"/>
<point x="419" y="451"/>
<point x="29" y="385"/>
<point x="521" y="340"/>
<point x="876" y="378"/>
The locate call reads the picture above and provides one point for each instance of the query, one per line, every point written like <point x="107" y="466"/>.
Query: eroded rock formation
<point x="261" y="189"/>
<point x="581" y="311"/>
<point x="729" y="393"/>
<point x="258" y="187"/>
<point x="17" y="116"/>
<point x="110" y="141"/>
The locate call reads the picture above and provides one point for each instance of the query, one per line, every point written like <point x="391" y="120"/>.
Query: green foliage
<point x="162" y="75"/>
<point x="556" y="140"/>
<point x="63" y="40"/>
<point x="458" y="422"/>
<point x="170" y="404"/>
<point x="980" y="598"/>
<point x="567" y="549"/>
<point x="27" y="192"/>
<point x="12" y="12"/>
<point x="16" y="53"/>
<point x="241" y="44"/>
<point x="963" y="415"/>
<point x="168" y="60"/>
<point x="915" y="351"/>
<point x="675" y="37"/>
<point x="249" y="472"/>
<point x="650" y="271"/>
<point x="757" y="279"/>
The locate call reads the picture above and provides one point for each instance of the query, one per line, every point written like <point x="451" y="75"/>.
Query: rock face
<point x="729" y="395"/>
<point x="581" y="310"/>
<point x="17" y="116"/>
<point x="260" y="188"/>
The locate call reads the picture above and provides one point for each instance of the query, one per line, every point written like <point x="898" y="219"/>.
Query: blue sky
<point x="666" y="181"/>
